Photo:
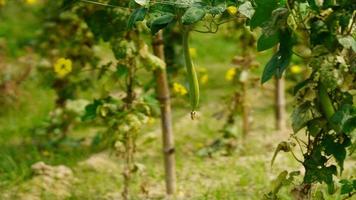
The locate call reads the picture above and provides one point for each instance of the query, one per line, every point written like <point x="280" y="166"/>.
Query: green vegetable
<point x="192" y="74"/>
<point x="325" y="102"/>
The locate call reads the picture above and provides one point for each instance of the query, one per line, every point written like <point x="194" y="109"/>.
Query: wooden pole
<point x="280" y="103"/>
<point x="166" y="117"/>
<point x="245" y="110"/>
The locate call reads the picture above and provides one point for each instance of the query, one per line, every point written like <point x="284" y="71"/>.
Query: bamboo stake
<point x="245" y="110"/>
<point x="280" y="103"/>
<point x="166" y="117"/>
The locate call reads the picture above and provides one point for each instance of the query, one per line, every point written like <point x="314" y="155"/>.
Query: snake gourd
<point x="192" y="75"/>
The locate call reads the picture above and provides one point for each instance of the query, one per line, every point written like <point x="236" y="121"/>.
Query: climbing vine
<point x="325" y="101"/>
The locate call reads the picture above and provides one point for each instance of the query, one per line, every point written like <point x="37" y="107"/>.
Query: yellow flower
<point x="45" y="153"/>
<point x="296" y="69"/>
<point x="63" y="67"/>
<point x="204" y="79"/>
<point x="193" y="52"/>
<point x="2" y="2"/>
<point x="230" y="74"/>
<point x="179" y="89"/>
<point x="151" y="120"/>
<point x="202" y="70"/>
<point x="232" y="10"/>
<point x="31" y="2"/>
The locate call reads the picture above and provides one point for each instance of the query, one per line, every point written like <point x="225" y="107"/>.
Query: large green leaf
<point x="301" y="116"/>
<point x="193" y="15"/>
<point x="263" y="12"/>
<point x="333" y="146"/>
<point x="267" y="41"/>
<point x="280" y="60"/>
<point x="285" y="52"/>
<point x="105" y="24"/>
<point x="347" y="186"/>
<point x="161" y="22"/>
<point x="322" y="174"/>
<point x="316" y="169"/>
<point x="345" y="119"/>
<point x="270" y="68"/>
<point x="137" y="15"/>
<point x="316" y="125"/>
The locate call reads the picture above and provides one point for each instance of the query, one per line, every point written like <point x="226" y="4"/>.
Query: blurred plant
<point x="52" y="131"/>
<point x="240" y="76"/>
<point x="66" y="43"/>
<point x="12" y="76"/>
<point x="128" y="103"/>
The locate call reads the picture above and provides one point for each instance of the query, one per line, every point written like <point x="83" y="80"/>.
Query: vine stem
<point x="352" y="23"/>
<point x="350" y="195"/>
<point x="102" y="4"/>
<point x="129" y="136"/>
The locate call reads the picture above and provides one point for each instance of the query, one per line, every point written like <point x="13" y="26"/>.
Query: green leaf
<point x="316" y="169"/>
<point x="282" y="2"/>
<point x="321" y="174"/>
<point x="136" y="16"/>
<point x="347" y="186"/>
<point x="121" y="70"/>
<point x="90" y="110"/>
<point x="270" y="68"/>
<point x="280" y="60"/>
<point x="161" y="22"/>
<point x="263" y="12"/>
<point x="193" y="15"/>
<point x="162" y="8"/>
<point x="300" y="85"/>
<point x="347" y="42"/>
<point x="278" y="182"/>
<point x="247" y="9"/>
<point x="336" y="148"/>
<point x="301" y="116"/>
<point x="315" y="126"/>
<point x="345" y="119"/>
<point x="349" y="126"/>
<point x="313" y="5"/>
<point x="267" y="41"/>
<point x="285" y="52"/>
<point x="216" y="10"/>
<point x="98" y="24"/>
